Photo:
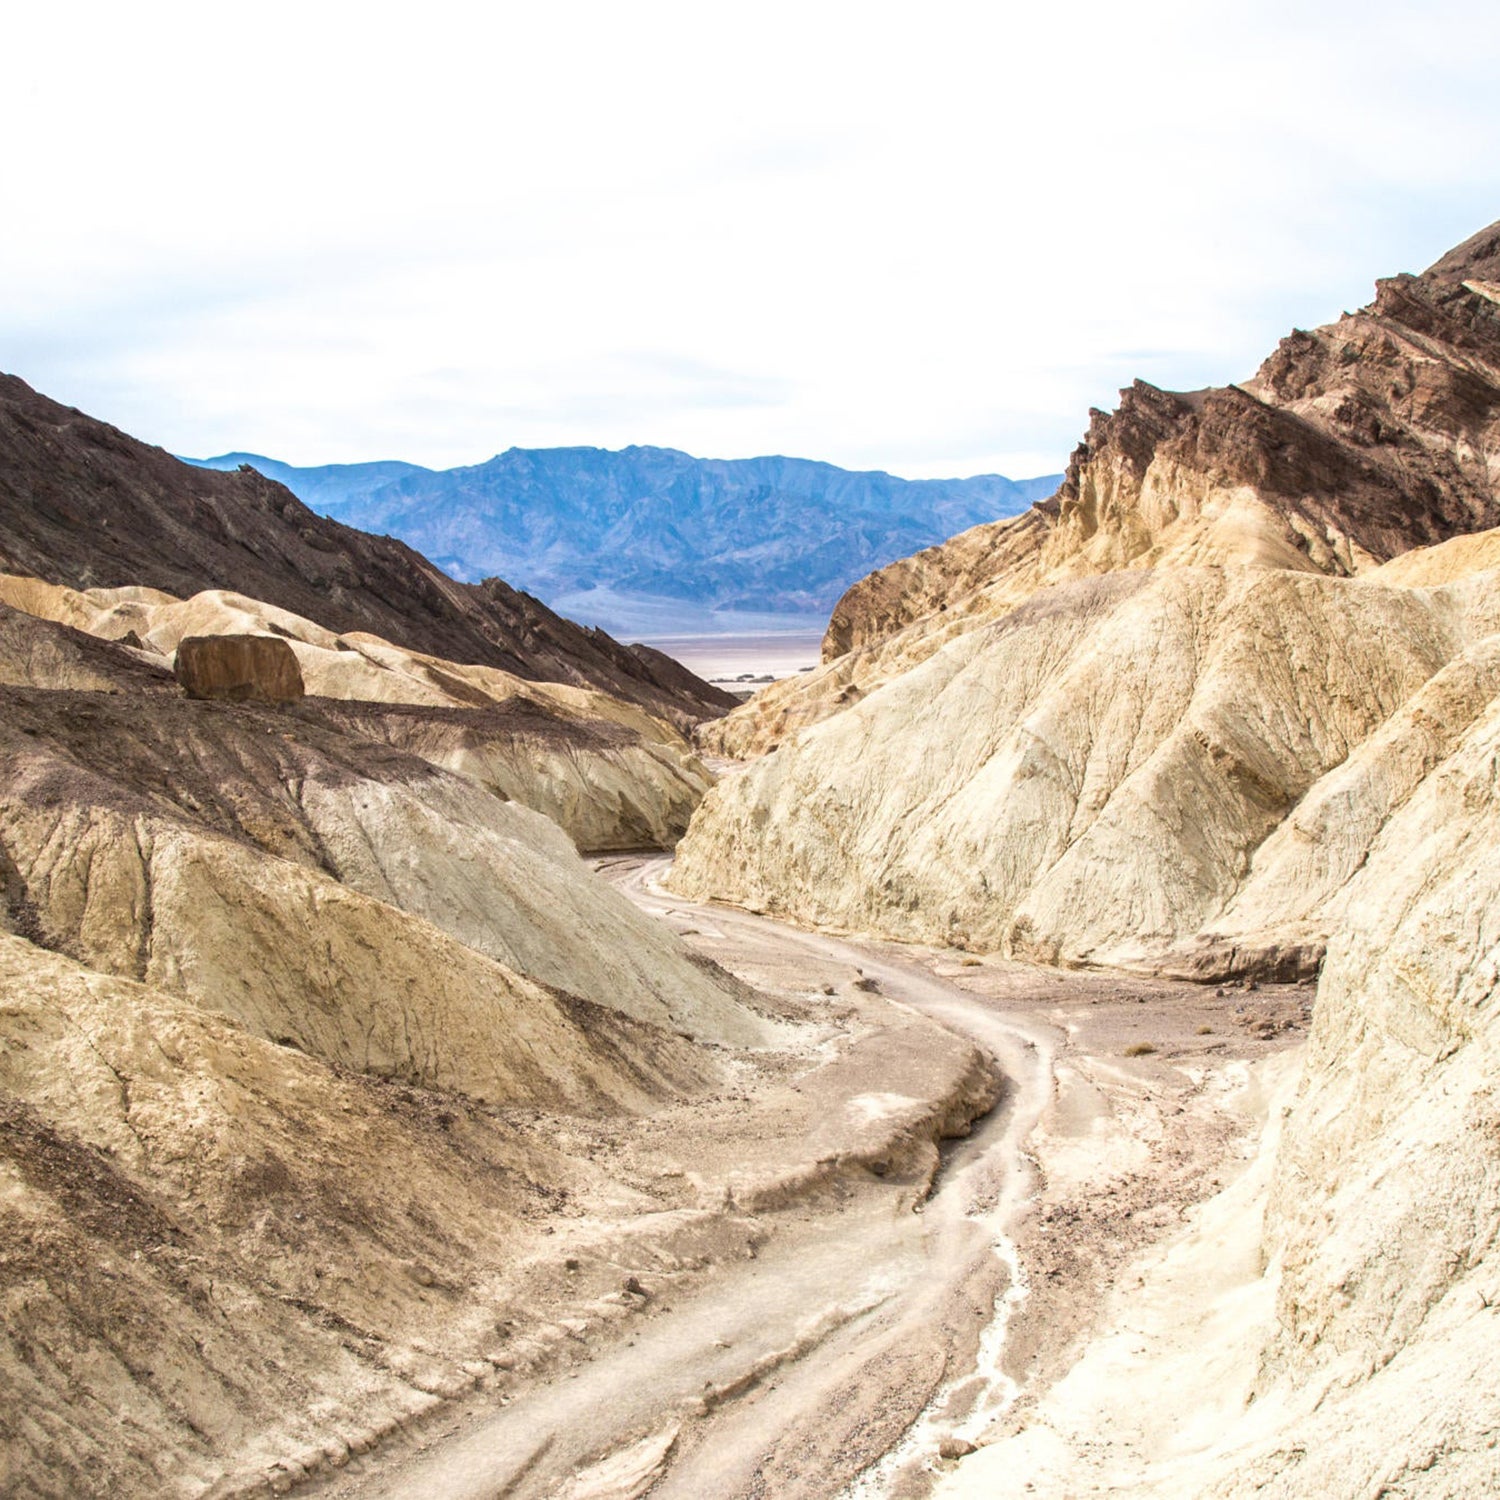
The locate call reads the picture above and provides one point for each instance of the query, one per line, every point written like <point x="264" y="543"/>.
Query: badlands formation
<point x="335" y="1086"/>
<point x="1227" y="708"/>
<point x="358" y="1136"/>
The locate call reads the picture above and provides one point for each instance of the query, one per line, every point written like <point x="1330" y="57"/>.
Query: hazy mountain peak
<point x="644" y="533"/>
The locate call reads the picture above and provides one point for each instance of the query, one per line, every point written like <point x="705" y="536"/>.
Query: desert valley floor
<point x="877" y="1304"/>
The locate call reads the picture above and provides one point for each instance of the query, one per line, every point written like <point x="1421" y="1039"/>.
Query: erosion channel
<point x="870" y="1336"/>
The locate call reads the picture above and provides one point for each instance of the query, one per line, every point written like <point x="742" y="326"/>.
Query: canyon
<point x="1048" y="1049"/>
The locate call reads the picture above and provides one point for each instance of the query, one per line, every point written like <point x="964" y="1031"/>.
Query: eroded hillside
<point x="1226" y="707"/>
<point x="608" y="772"/>
<point x="1325" y="1326"/>
<point x="85" y="505"/>
<point x="1352" y="444"/>
<point x="309" y="1048"/>
<point x="1174" y="769"/>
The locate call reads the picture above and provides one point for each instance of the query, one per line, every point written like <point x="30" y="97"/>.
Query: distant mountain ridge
<point x="643" y="536"/>
<point x="86" y="505"/>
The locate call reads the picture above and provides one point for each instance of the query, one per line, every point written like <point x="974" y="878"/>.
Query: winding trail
<point x="837" y="1359"/>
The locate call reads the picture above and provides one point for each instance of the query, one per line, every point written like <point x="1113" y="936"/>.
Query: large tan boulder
<point x="260" y="668"/>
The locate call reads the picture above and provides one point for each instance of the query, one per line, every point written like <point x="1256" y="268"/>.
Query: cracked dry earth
<point x="857" y="1325"/>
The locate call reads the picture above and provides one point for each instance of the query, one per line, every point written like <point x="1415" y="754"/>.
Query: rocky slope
<point x="84" y="505"/>
<point x="315" y="1030"/>
<point x="1353" y="443"/>
<point x="650" y="537"/>
<point x="1171" y="769"/>
<point x="306" y="1045"/>
<point x="609" y="773"/>
<point x="1157" y="720"/>
<point x="1386" y="1201"/>
<point x="1326" y="1326"/>
<point x="213" y="849"/>
<point x="1229" y="705"/>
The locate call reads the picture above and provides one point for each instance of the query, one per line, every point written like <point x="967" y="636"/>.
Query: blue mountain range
<point x="651" y="540"/>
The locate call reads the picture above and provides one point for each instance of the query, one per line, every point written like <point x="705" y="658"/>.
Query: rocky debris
<point x="238" y="668"/>
<point x="953" y="1447"/>
<point x="85" y="505"/>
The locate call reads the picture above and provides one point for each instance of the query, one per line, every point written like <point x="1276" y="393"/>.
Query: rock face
<point x="1384" y="1211"/>
<point x="1353" y="443"/>
<point x="84" y="505"/>
<point x="277" y="1003"/>
<point x="1157" y="720"/>
<point x="205" y="848"/>
<point x="1229" y="704"/>
<point x="1367" y="1363"/>
<point x="235" y="668"/>
<point x="1172" y="769"/>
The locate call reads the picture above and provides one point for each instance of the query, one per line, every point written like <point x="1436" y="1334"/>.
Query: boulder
<point x="261" y="668"/>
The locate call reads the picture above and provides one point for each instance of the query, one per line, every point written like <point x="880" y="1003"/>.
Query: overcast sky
<point x="920" y="238"/>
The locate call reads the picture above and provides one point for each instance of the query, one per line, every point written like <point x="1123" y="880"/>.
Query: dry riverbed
<point x="788" y="1293"/>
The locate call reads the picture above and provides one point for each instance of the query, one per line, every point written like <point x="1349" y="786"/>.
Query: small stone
<point x="955" y="1447"/>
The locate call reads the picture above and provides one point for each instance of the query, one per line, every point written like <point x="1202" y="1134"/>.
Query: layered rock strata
<point x="1353" y="443"/>
<point x="1329" y="1329"/>
<point x="1172" y="769"/>
<point x="328" y="890"/>
<point x="611" y="774"/>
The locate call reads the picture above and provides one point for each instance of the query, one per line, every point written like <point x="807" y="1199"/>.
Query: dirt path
<point x="864" y="1340"/>
<point x="829" y="1419"/>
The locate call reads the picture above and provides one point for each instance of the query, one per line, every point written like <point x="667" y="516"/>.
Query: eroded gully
<point x="837" y="1362"/>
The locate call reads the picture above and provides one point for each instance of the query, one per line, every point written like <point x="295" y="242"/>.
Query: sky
<point x="923" y="239"/>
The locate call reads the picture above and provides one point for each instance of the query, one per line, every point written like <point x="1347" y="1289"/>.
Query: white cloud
<point x="920" y="240"/>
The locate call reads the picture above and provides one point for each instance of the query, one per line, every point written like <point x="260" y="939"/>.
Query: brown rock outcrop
<point x="1353" y="444"/>
<point x="238" y="668"/>
<point x="84" y="504"/>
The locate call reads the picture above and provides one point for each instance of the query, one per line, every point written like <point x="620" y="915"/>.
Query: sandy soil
<point x="856" y="1324"/>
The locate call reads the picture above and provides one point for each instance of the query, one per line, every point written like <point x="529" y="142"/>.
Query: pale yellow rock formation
<point x="1426" y="567"/>
<point x="1352" y="444"/>
<point x="611" y="774"/>
<point x="1099" y="776"/>
<point x="427" y="958"/>
<point x="1327" y="1325"/>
